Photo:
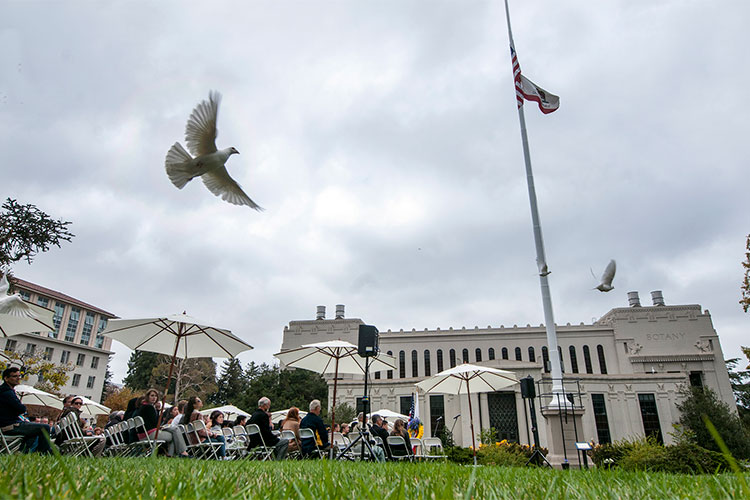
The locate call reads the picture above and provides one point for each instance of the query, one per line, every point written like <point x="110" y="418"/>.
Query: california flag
<point x="532" y="92"/>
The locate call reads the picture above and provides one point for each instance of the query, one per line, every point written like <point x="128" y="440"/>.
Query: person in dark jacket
<point x="11" y="410"/>
<point x="313" y="421"/>
<point x="173" y="437"/>
<point x="263" y="421"/>
<point x="378" y="428"/>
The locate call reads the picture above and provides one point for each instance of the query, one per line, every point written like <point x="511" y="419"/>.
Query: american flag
<point x="516" y="76"/>
<point x="528" y="90"/>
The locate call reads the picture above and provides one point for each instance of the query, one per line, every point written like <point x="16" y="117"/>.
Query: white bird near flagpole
<point x="605" y="283"/>
<point x="209" y="163"/>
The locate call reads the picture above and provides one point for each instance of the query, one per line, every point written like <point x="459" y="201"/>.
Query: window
<point x="42" y="301"/>
<point x="65" y="358"/>
<point x="559" y="353"/>
<point x="24" y="295"/>
<point x="88" y="325"/>
<point x="545" y="358"/>
<point x="427" y="372"/>
<point x="650" y="416"/>
<point x="602" y="362"/>
<point x="48" y="352"/>
<point x="76" y="380"/>
<point x="478" y="354"/>
<point x="600" y="418"/>
<point x="401" y="364"/>
<point x="30" y="348"/>
<point x="532" y="355"/>
<point x="440" y="360"/>
<point x="95" y="362"/>
<point x="491" y="353"/>
<point x="57" y="319"/>
<point x="81" y="358"/>
<point x="437" y="413"/>
<point x="587" y="359"/>
<point x="465" y="356"/>
<point x="414" y="364"/>
<point x="453" y="358"/>
<point x="518" y="354"/>
<point x="70" y="332"/>
<point x="377" y="375"/>
<point x="405" y="405"/>
<point x="99" y="342"/>
<point x="573" y="359"/>
<point x="696" y="379"/>
<point x="389" y="374"/>
<point x="90" y="383"/>
<point x="504" y="353"/>
<point x="10" y="345"/>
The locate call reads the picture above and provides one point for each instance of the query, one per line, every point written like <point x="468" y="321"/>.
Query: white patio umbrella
<point x="278" y="416"/>
<point x="31" y="396"/>
<point x="389" y="414"/>
<point x="178" y="335"/>
<point x="334" y="356"/>
<point x="228" y="411"/>
<point x="469" y="379"/>
<point x="93" y="408"/>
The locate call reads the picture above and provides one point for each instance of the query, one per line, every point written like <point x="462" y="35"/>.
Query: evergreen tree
<point x="285" y="388"/>
<point x="25" y="231"/>
<point x="230" y="383"/>
<point x="140" y="368"/>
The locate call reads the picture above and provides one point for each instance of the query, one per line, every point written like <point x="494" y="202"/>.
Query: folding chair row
<point x="10" y="444"/>
<point x="74" y="442"/>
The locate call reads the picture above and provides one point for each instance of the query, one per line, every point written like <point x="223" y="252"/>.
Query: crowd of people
<point x="15" y="422"/>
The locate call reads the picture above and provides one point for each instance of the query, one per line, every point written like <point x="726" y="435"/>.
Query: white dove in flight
<point x="13" y="305"/>
<point x="200" y="136"/>
<point x="605" y="284"/>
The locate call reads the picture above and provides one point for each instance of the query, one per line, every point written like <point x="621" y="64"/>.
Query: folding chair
<point x="261" y="451"/>
<point x="305" y="434"/>
<point x="433" y="449"/>
<point x="240" y="434"/>
<point x="11" y="444"/>
<point x="201" y="449"/>
<point x="292" y="437"/>
<point x="399" y="450"/>
<point x="147" y="443"/>
<point x="418" y="446"/>
<point x="235" y="447"/>
<point x="75" y="443"/>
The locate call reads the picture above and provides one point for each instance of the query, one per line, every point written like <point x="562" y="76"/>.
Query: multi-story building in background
<point x="76" y="340"/>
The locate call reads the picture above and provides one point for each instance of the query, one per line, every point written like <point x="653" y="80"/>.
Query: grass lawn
<point x="30" y="476"/>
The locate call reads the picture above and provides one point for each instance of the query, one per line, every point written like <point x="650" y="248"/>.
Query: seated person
<point x="172" y="436"/>
<point x="399" y="429"/>
<point x="291" y="423"/>
<point x="36" y="436"/>
<point x="378" y="428"/>
<point x="313" y="421"/>
<point x="263" y="421"/>
<point x="192" y="413"/>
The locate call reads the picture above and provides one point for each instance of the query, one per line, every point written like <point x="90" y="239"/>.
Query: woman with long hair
<point x="241" y="420"/>
<point x="173" y="437"/>
<point x="291" y="423"/>
<point x="399" y="429"/>
<point x="192" y="413"/>
<point x="216" y="421"/>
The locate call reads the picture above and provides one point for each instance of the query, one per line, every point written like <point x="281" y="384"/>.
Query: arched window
<point x="414" y="367"/>
<point x="427" y="363"/>
<point x="504" y="353"/>
<point x="401" y="364"/>
<point x="491" y="353"/>
<point x="452" y="355"/>
<point x="587" y="359"/>
<point x="532" y="356"/>
<point x="602" y="361"/>
<point x="465" y="356"/>
<point x="573" y="359"/>
<point x="440" y="360"/>
<point x="545" y="358"/>
<point x="562" y="365"/>
<point x="478" y="354"/>
<point x="518" y="354"/>
<point x="390" y="372"/>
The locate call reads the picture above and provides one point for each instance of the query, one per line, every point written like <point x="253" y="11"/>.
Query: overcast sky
<point x="382" y="139"/>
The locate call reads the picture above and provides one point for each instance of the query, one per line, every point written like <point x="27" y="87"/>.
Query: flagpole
<point x="541" y="260"/>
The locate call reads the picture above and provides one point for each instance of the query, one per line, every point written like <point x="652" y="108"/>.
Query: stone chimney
<point x="657" y="298"/>
<point x="321" y="313"/>
<point x="339" y="311"/>
<point x="633" y="299"/>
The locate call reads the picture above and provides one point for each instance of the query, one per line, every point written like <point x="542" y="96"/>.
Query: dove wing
<point x="221" y="184"/>
<point x="15" y="306"/>
<point x="609" y="273"/>
<point x="200" y="131"/>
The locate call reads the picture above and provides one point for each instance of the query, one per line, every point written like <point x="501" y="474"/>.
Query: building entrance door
<point x="503" y="415"/>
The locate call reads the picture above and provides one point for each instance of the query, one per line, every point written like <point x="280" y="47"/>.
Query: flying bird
<point x="13" y="305"/>
<point x="605" y="284"/>
<point x="208" y="163"/>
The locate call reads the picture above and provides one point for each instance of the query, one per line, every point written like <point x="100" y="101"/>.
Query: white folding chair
<point x="259" y="451"/>
<point x="399" y="450"/>
<point x="75" y="443"/>
<point x="418" y="447"/>
<point x="292" y="437"/>
<point x="201" y="449"/>
<point x="10" y="444"/>
<point x="235" y="447"/>
<point x="433" y="449"/>
<point x="309" y="434"/>
<point x="146" y="443"/>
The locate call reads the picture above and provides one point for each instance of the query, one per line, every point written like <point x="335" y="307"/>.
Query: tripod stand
<point x="364" y="434"/>
<point x="537" y="458"/>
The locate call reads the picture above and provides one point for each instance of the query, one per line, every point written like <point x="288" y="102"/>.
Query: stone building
<point x="76" y="340"/>
<point x="628" y="368"/>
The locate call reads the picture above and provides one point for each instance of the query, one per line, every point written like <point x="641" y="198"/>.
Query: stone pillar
<point x="563" y="423"/>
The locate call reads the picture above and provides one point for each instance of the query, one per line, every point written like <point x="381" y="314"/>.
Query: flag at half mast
<point x="528" y="90"/>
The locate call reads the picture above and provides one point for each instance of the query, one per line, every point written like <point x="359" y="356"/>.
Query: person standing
<point x="11" y="409"/>
<point x="261" y="419"/>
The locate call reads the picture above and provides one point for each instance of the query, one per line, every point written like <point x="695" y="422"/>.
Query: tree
<point x="140" y="369"/>
<point x="745" y="288"/>
<point x="230" y="383"/>
<point x="25" y="231"/>
<point x="190" y="377"/>
<point x="107" y="387"/>
<point x="118" y="398"/>
<point x="701" y="401"/>
<point x="345" y="413"/>
<point x="285" y="388"/>
<point x="51" y="376"/>
<point x="740" y="381"/>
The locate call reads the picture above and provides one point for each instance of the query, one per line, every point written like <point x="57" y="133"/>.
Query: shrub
<point x="460" y="455"/>
<point x="647" y="455"/>
<point x="497" y="454"/>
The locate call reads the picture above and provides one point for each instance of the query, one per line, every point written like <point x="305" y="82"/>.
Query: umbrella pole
<point x="166" y="389"/>
<point x="333" y="406"/>
<point x="471" y="422"/>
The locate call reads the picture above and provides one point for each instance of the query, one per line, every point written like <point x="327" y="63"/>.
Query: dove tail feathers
<point x="178" y="165"/>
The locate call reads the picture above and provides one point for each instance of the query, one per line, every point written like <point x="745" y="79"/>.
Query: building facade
<point x="76" y="340"/>
<point x="628" y="368"/>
